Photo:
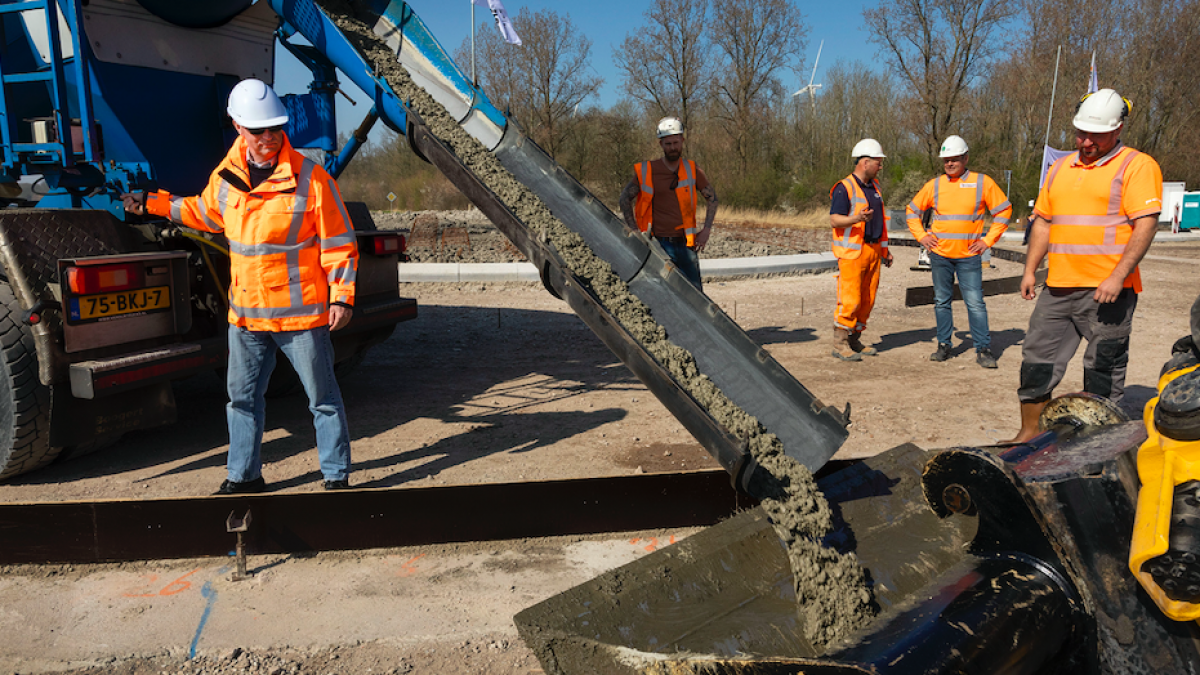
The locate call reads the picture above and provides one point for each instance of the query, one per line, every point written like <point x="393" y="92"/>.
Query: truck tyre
<point x="24" y="400"/>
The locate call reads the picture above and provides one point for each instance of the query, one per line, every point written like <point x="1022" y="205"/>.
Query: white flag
<point x="502" y="22"/>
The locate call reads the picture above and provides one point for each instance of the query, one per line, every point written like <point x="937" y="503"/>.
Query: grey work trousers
<point x="1061" y="318"/>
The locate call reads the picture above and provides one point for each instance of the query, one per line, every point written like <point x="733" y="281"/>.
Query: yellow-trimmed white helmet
<point x="1101" y="111"/>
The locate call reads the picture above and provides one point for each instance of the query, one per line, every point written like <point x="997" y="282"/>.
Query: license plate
<point x="88" y="307"/>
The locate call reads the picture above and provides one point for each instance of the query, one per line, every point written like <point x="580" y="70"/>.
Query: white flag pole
<point x="1053" y="89"/>
<point x="472" y="42"/>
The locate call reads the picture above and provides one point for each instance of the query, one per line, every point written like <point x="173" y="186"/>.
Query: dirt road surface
<point x="495" y="382"/>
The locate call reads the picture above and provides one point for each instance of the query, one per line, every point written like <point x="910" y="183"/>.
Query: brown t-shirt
<point x="666" y="216"/>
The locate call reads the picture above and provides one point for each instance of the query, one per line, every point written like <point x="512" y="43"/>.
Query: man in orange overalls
<point x="860" y="245"/>
<point x="1095" y="218"/>
<point x="293" y="261"/>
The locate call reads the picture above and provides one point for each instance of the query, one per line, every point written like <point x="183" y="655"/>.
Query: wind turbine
<point x="810" y="87"/>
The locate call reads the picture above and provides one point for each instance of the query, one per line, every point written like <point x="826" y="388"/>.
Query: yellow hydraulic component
<point x="1163" y="464"/>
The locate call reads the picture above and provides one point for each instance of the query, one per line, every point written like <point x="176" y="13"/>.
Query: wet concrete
<point x="722" y="600"/>
<point x="832" y="596"/>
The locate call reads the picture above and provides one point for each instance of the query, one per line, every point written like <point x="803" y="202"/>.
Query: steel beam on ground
<point x="116" y="530"/>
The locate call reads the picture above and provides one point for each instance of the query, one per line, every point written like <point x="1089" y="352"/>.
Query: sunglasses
<point x="260" y="132"/>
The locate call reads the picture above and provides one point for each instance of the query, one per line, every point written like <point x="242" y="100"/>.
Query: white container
<point x="1172" y="199"/>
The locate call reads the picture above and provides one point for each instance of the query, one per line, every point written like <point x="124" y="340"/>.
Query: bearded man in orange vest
<point x="662" y="197"/>
<point x="958" y="202"/>
<point x="860" y="243"/>
<point x="293" y="261"/>
<point x="1095" y="217"/>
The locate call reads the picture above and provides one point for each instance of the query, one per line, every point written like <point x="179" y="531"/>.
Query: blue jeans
<point x="970" y="282"/>
<point x="686" y="259"/>
<point x="251" y="360"/>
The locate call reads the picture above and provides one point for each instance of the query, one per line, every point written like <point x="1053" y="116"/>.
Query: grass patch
<point x="812" y="219"/>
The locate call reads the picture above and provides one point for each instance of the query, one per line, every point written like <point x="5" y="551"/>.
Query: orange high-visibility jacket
<point x="959" y="207"/>
<point x="685" y="192"/>
<point x="848" y="241"/>
<point x="1091" y="209"/>
<point x="291" y="246"/>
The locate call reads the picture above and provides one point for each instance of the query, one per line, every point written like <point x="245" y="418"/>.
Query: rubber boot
<point x="1030" y="412"/>
<point x="855" y="341"/>
<point x="841" y="346"/>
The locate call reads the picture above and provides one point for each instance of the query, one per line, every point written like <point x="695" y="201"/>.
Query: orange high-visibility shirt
<point x="960" y="206"/>
<point x="1091" y="209"/>
<point x="291" y="246"/>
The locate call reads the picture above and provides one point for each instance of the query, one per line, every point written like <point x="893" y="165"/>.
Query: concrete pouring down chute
<point x="833" y="598"/>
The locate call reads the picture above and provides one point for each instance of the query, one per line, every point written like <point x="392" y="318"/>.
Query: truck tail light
<point x="388" y="244"/>
<point x="104" y="278"/>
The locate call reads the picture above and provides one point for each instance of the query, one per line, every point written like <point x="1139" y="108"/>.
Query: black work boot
<point x="343" y="484"/>
<point x="942" y="353"/>
<point x="230" y="487"/>
<point x="985" y="359"/>
<point x="855" y="342"/>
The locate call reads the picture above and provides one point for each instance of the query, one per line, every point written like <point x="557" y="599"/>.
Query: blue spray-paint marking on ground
<point x="210" y="595"/>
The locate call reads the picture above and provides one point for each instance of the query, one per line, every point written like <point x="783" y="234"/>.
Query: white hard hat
<point x="1101" y="112"/>
<point x="953" y="146"/>
<point x="669" y="126"/>
<point x="253" y="104"/>
<point x="867" y="147"/>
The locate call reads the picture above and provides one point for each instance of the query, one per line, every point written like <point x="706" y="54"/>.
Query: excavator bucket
<point x="979" y="563"/>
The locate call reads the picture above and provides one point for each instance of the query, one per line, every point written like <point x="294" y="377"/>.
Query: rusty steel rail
<point x="118" y="530"/>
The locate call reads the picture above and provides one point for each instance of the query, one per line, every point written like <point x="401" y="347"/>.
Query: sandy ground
<point x="495" y="382"/>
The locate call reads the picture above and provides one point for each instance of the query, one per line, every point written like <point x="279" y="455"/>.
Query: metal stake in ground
<point x="233" y="524"/>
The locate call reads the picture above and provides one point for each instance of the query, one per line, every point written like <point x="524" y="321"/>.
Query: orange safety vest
<point x="685" y="192"/>
<point x="291" y="246"/>
<point x="959" y="206"/>
<point x="1089" y="222"/>
<point x="848" y="241"/>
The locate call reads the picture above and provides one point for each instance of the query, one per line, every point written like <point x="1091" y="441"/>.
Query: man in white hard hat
<point x="293" y="261"/>
<point x="661" y="201"/>
<point x="860" y="243"/>
<point x="959" y="201"/>
<point x="1095" y="217"/>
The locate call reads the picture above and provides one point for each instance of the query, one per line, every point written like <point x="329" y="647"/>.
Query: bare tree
<point x="666" y="62"/>
<point x="939" y="49"/>
<point x="757" y="39"/>
<point x="1136" y="44"/>
<point x="542" y="82"/>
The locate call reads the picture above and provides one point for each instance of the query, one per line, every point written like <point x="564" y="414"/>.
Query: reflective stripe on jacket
<point x="959" y="207"/>
<point x="292" y="249"/>
<point x="685" y="192"/>
<point x="848" y="241"/>
<point x="1091" y="209"/>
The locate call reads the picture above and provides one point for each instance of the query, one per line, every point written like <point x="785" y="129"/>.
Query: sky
<point x="605" y="23"/>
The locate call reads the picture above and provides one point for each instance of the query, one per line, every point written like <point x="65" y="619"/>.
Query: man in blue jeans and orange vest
<point x="1096" y="216"/>
<point x="958" y="202"/>
<point x="293" y="261"/>
<point x="860" y="243"/>
<point x="662" y="197"/>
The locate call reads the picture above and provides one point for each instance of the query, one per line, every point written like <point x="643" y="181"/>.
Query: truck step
<point x="104" y="377"/>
